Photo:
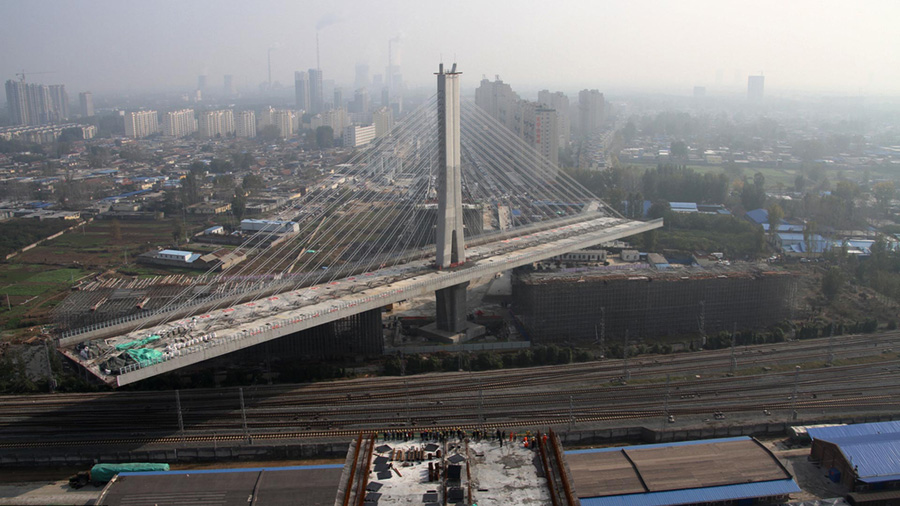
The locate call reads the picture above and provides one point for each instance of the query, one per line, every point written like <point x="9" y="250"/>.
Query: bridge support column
<point x="451" y="308"/>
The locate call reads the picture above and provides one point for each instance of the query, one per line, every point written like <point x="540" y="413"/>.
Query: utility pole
<point x="50" y="378"/>
<point x="702" y="323"/>
<point x="408" y="415"/>
<point x="571" y="412"/>
<point x="733" y="342"/>
<point x="666" y="405"/>
<point x="794" y="395"/>
<point x="178" y="408"/>
<point x="625" y="357"/>
<point x="244" y="415"/>
<point x="831" y="346"/>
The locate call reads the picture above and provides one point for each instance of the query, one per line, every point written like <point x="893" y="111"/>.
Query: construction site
<point x="567" y="305"/>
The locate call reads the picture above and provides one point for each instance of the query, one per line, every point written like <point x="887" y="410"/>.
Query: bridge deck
<point x="229" y="329"/>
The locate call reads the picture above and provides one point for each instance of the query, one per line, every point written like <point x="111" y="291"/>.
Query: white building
<point x="284" y="120"/>
<point x="171" y="254"/>
<point x="384" y="121"/>
<point x="355" y="136"/>
<point x="245" y="124"/>
<point x="216" y="123"/>
<point x="139" y="124"/>
<point x="559" y="102"/>
<point x="179" y="123"/>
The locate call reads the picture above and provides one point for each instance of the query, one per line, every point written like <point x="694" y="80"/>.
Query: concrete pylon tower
<point x="451" y="246"/>
<point x="450" y="321"/>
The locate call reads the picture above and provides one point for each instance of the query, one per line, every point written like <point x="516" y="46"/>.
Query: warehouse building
<point x="863" y="457"/>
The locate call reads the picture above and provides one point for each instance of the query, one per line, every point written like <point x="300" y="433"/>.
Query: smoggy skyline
<point x="800" y="46"/>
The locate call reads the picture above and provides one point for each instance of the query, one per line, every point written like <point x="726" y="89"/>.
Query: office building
<point x="591" y="111"/>
<point x="201" y="83"/>
<point x="140" y="124"/>
<point x="338" y="98"/>
<point x="301" y="91"/>
<point x="755" y="88"/>
<point x="383" y="120"/>
<point x="245" y="124"/>
<point x="179" y="123"/>
<point x="316" y="92"/>
<point x="356" y="136"/>
<point x="215" y="124"/>
<point x="360" y="103"/>
<point x="86" y="101"/>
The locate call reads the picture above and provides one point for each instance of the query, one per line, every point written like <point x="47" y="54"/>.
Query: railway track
<point x="535" y="397"/>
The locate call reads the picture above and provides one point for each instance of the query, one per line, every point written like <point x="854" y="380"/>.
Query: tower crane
<point x="21" y="74"/>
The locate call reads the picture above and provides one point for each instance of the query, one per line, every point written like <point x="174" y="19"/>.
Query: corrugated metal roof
<point x="660" y="445"/>
<point x="697" y="495"/>
<point x="872" y="448"/>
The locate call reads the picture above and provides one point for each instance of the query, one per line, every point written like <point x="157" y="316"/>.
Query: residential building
<point x="228" y="85"/>
<point x="216" y="123"/>
<point x="559" y="102"/>
<point x="383" y="120"/>
<point x="140" y="124"/>
<point x="316" y="92"/>
<point x="86" y="101"/>
<point x="36" y="104"/>
<point x="284" y="120"/>
<point x="301" y="91"/>
<point x="356" y="136"/>
<point x="179" y="123"/>
<point x="591" y="111"/>
<point x="245" y="124"/>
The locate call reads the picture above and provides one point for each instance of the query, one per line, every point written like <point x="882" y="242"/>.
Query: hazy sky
<point x="847" y="47"/>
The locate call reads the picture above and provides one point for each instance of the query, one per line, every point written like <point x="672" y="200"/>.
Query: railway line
<point x="585" y="394"/>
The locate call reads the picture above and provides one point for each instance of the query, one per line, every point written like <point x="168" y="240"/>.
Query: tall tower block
<point x="451" y="247"/>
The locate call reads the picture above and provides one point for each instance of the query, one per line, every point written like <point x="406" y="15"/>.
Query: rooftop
<point x="873" y="448"/>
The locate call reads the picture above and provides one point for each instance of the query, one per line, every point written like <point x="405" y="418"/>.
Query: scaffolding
<point x="570" y="306"/>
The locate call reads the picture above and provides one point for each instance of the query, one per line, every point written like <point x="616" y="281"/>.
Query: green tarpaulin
<point x="146" y="356"/>
<point x="102" y="473"/>
<point x="138" y="343"/>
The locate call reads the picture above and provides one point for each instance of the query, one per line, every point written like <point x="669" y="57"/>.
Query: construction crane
<point x="22" y="74"/>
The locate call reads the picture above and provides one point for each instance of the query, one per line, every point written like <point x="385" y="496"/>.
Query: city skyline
<point x="105" y="46"/>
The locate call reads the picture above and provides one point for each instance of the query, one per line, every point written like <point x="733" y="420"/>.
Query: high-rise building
<point x="284" y="120"/>
<point x="338" y="98"/>
<point x="532" y="122"/>
<point x="301" y="91"/>
<point x="201" y="83"/>
<point x="214" y="124"/>
<point x="362" y="76"/>
<point x="384" y="121"/>
<point x="86" y="100"/>
<point x="755" y="88"/>
<point x="59" y="102"/>
<point x="591" y="110"/>
<point x="360" y="104"/>
<point x="228" y="85"/>
<point x="36" y="104"/>
<point x="140" y="124"/>
<point x="179" y="123"/>
<point x="559" y="102"/>
<point x="316" y="92"/>
<point x="245" y="124"/>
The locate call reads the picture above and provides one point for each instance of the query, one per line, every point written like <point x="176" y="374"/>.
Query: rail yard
<point x="685" y="390"/>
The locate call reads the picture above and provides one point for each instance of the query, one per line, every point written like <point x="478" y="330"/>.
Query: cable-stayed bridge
<point x="450" y="195"/>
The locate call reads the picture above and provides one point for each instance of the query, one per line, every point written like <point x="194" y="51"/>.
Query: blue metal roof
<point x="759" y="216"/>
<point x="872" y="448"/>
<point x="697" y="495"/>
